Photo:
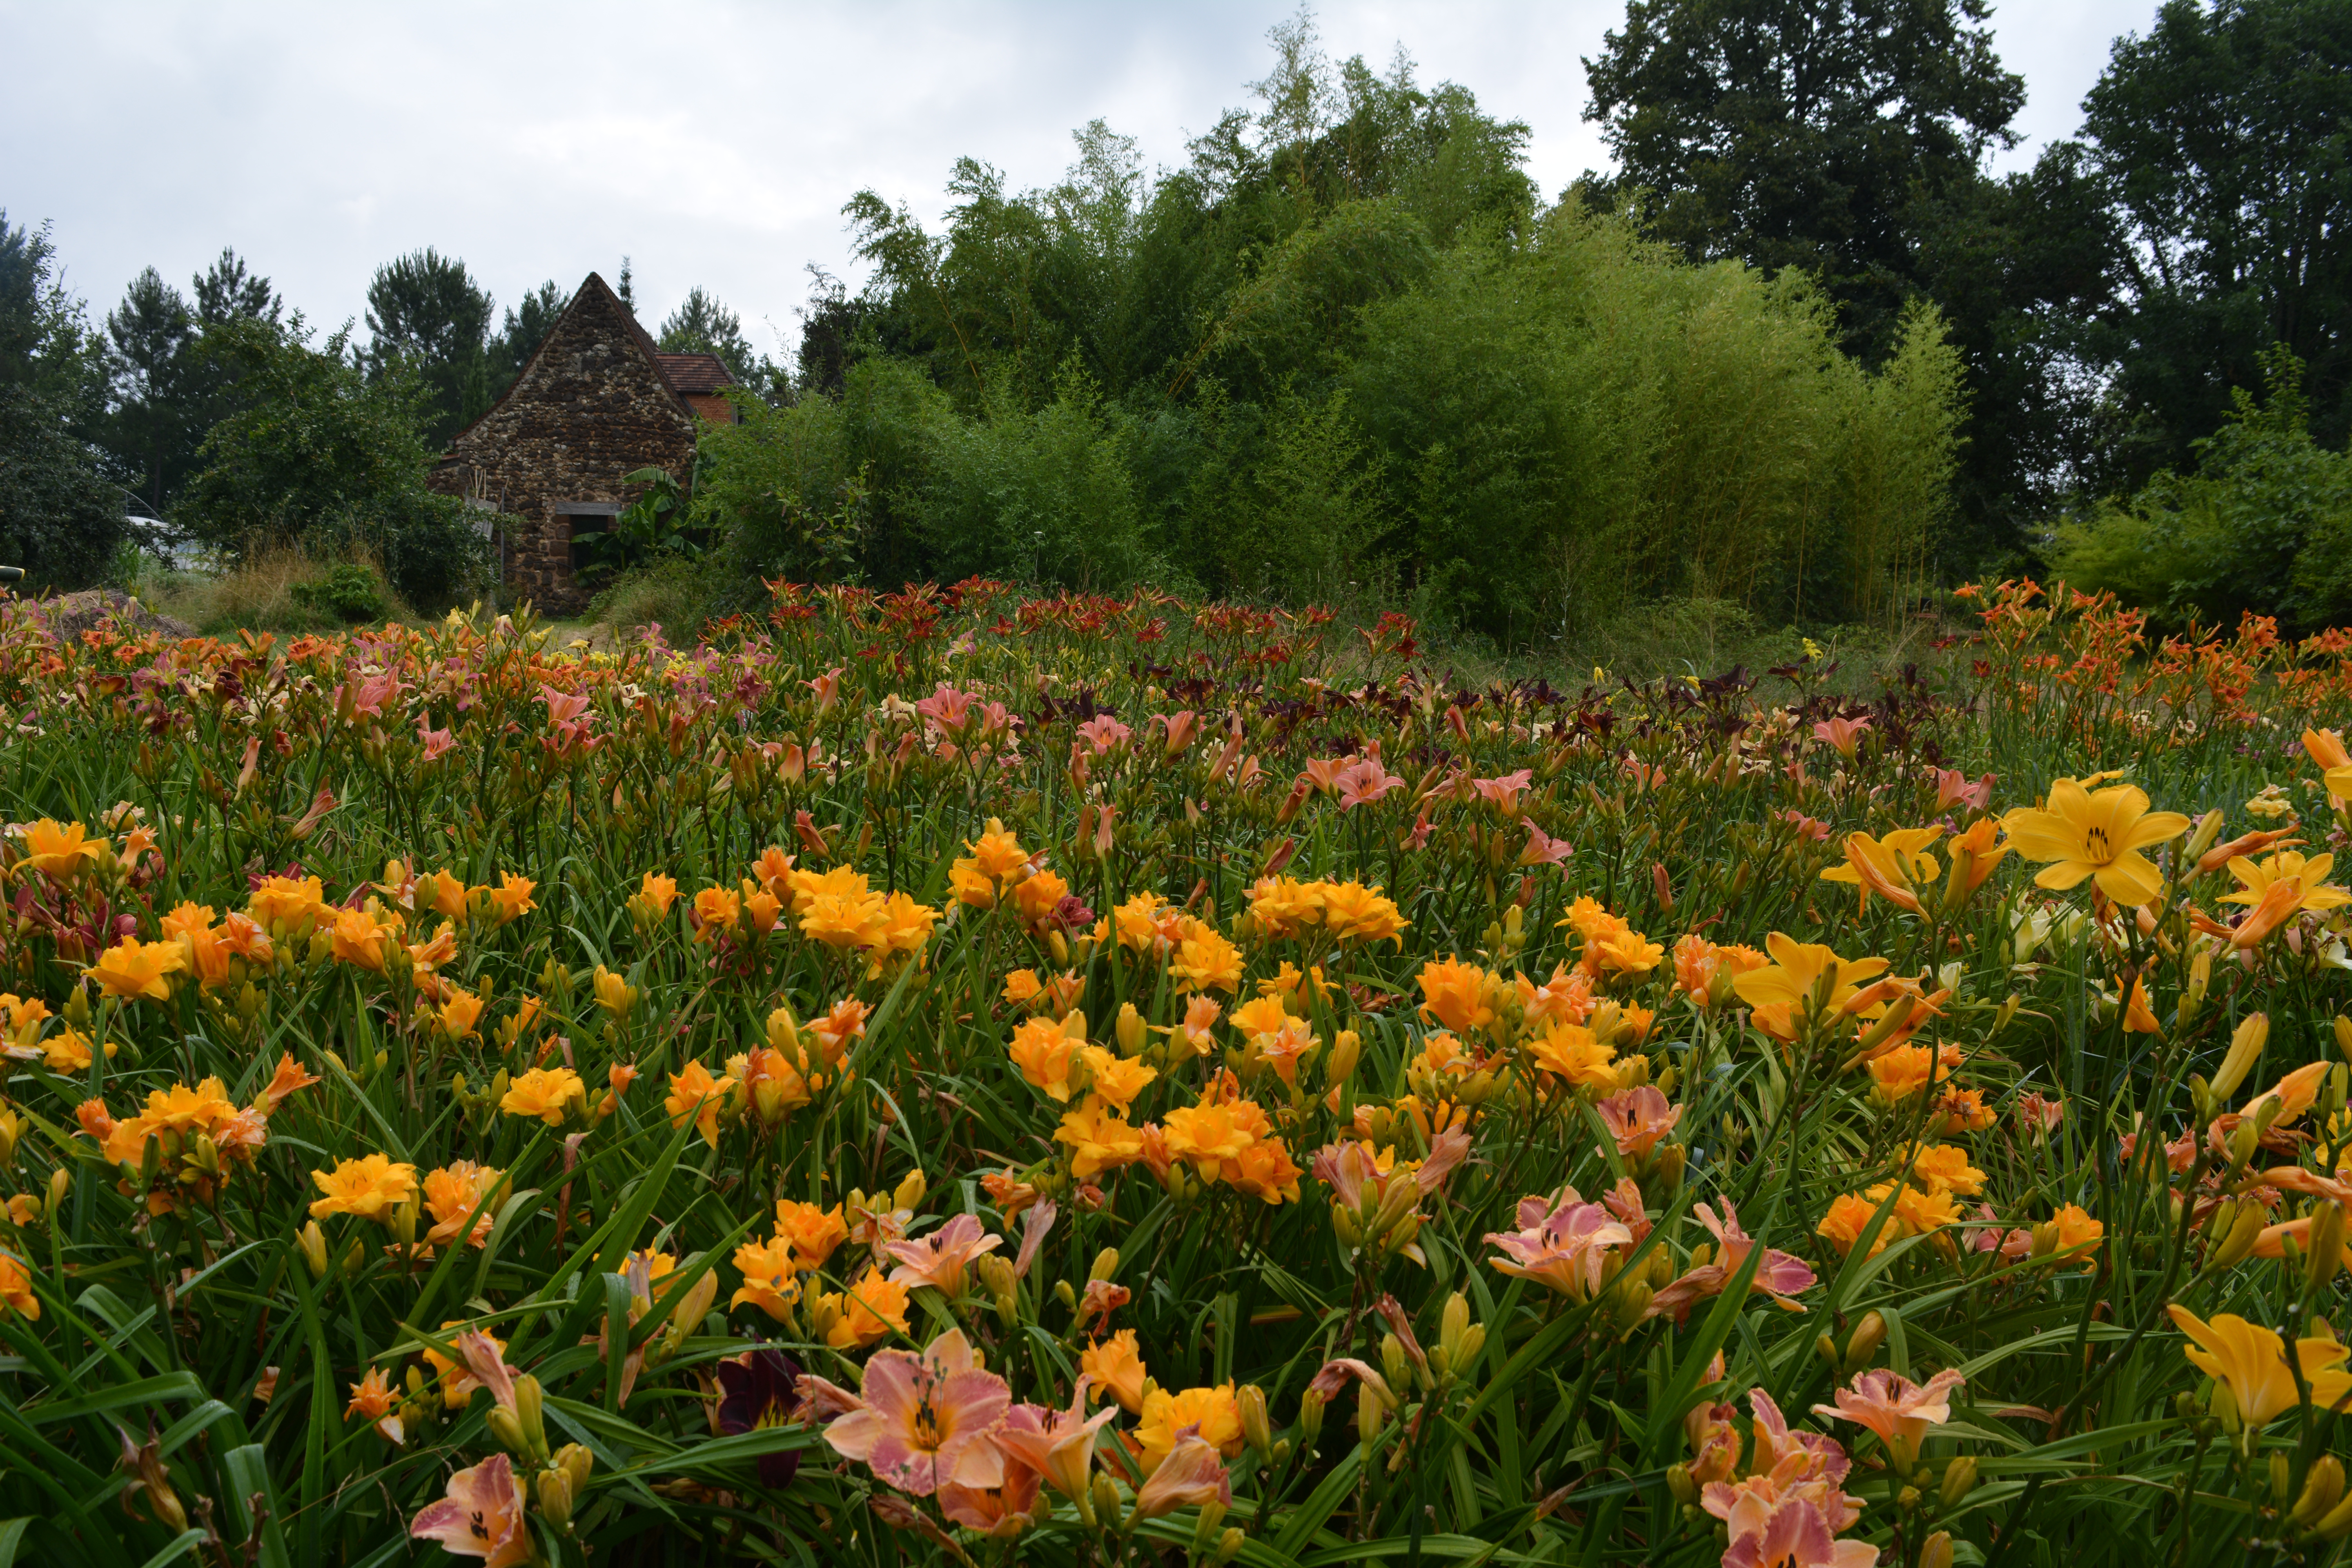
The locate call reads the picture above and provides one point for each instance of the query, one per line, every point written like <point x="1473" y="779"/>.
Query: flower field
<point x="958" y="1076"/>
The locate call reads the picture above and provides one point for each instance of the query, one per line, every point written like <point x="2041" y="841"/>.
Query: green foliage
<point x="704" y="326"/>
<point x="656" y="524"/>
<point x="431" y="320"/>
<point x="323" y="454"/>
<point x="519" y="335"/>
<point x="58" y="520"/>
<point x="164" y="392"/>
<point x="2223" y="137"/>
<point x="1344" y="350"/>
<point x="2262" y="524"/>
<point x="349" y="592"/>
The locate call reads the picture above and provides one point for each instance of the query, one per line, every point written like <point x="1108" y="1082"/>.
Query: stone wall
<point x="590" y="407"/>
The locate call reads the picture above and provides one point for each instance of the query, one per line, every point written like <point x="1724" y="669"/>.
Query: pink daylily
<point x="1503" y="793"/>
<point x="1363" y="782"/>
<point x="1543" y="850"/>
<point x="1562" y="1243"/>
<point x="1638" y="1119"/>
<point x="1104" y="733"/>
<point x="1779" y="1275"/>
<point x="481" y="1517"/>
<point x="923" y="1421"/>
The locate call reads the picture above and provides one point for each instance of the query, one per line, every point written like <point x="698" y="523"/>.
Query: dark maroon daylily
<point x="760" y="1391"/>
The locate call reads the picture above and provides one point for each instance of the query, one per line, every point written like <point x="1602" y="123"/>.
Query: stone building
<point x="549" y="461"/>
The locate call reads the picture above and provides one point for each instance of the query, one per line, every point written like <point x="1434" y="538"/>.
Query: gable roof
<point x="594" y="288"/>
<point x="696" y="373"/>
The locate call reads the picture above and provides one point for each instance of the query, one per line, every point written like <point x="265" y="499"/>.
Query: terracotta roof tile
<point x="694" y="373"/>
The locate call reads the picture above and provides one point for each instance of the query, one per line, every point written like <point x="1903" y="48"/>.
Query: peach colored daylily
<point x="1897" y="1409"/>
<point x="923" y="1421"/>
<point x="1059" y="1444"/>
<point x="941" y="1258"/>
<point x="1192" y="1474"/>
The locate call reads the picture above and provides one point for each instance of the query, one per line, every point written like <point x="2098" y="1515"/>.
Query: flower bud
<point x="1104" y="1498"/>
<point x="555" y="1498"/>
<point x="401" y="1220"/>
<point x="1129" y="1030"/>
<point x="1065" y="1295"/>
<point x="1370" y="1413"/>
<point x="1936" y="1552"/>
<point x="1959" y="1480"/>
<point x="2335" y="1524"/>
<point x="2344" y="1036"/>
<point x="1106" y="1265"/>
<point x="2322" y="1487"/>
<point x="2209" y="828"/>
<point x="2238" y="1241"/>
<point x="2326" y="1243"/>
<point x="508" y="1430"/>
<point x="1452" y="1322"/>
<point x="576" y="1462"/>
<point x="2246" y="1043"/>
<point x="528" y="1413"/>
<point x="313" y="1243"/>
<point x="60" y="1181"/>
<point x="1861" y="1346"/>
<point x="911" y="1191"/>
<point x="1310" y="1415"/>
<point x="1204" y="1528"/>
<point x="1257" y="1429"/>
<point x="2281" y="1478"/>
<point x="1346" y="1046"/>
<point x="1230" y="1541"/>
<point x="1394" y="1363"/>
<point x="1679" y="1482"/>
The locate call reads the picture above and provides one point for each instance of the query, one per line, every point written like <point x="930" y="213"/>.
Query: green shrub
<point x="320" y="458"/>
<point x="2263" y="524"/>
<point x="349" y="592"/>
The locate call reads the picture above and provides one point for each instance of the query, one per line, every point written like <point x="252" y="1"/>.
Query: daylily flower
<point x="757" y="1391"/>
<point x="1059" y="1444"/>
<point x="923" y="1421"/>
<point x="367" y="1186"/>
<point x="134" y="970"/>
<point x="1893" y="867"/>
<point x="1192" y="1475"/>
<point x="2254" y="1385"/>
<point x="1562" y="1243"/>
<point x="1113" y="1365"/>
<point x="1898" y="1410"/>
<point x="2096" y="836"/>
<point x="1782" y="993"/>
<point x="483" y="1516"/>
<point x="374" y="1399"/>
<point x="941" y="1258"/>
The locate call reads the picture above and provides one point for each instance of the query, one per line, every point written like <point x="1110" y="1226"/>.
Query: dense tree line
<point x="1800" y="347"/>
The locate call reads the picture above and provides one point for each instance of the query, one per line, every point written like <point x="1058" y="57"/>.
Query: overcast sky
<point x="714" y="142"/>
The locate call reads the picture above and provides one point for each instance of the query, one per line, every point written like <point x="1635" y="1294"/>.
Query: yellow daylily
<point x="2249" y="1363"/>
<point x="2096" y="835"/>
<point x="1782" y="992"/>
<point x="1893" y="867"/>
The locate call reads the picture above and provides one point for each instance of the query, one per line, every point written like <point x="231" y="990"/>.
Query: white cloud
<point x="715" y="143"/>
